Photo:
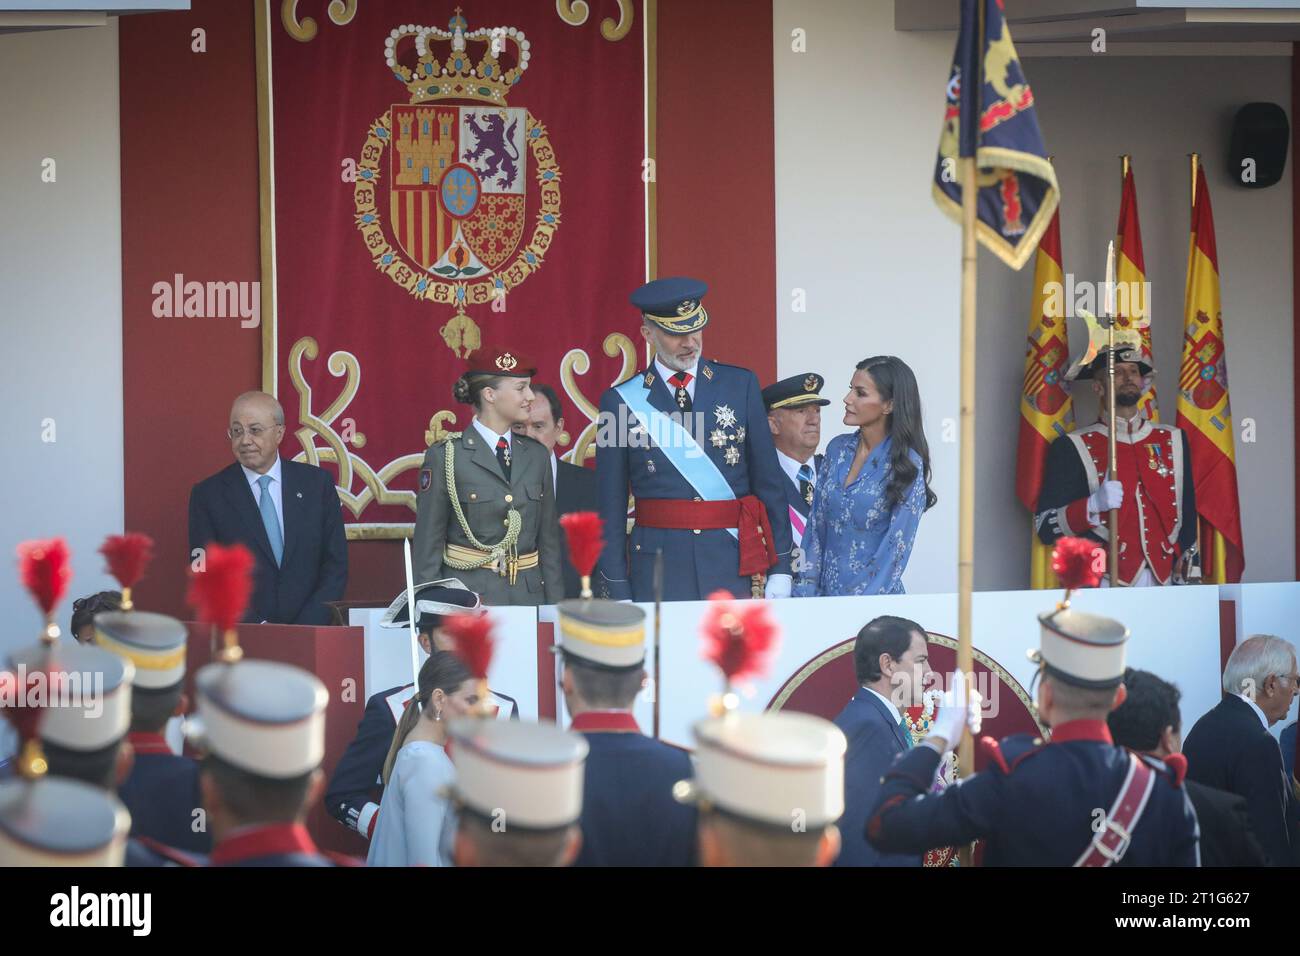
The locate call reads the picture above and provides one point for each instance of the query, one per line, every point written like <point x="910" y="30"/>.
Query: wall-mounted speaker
<point x="1257" y="154"/>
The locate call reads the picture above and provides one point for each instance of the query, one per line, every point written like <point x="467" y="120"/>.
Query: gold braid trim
<point x="506" y="548"/>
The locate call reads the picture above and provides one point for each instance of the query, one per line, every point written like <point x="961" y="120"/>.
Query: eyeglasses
<point x="236" y="432"/>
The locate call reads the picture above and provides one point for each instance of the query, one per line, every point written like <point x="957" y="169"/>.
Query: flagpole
<point x="1112" y="473"/>
<point x="1195" y="160"/>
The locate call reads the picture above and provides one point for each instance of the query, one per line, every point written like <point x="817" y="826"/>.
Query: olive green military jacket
<point x="485" y="500"/>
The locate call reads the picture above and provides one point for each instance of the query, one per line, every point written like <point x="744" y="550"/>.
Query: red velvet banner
<point x="437" y="182"/>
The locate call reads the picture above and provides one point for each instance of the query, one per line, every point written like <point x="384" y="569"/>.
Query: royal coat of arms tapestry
<point x="435" y="178"/>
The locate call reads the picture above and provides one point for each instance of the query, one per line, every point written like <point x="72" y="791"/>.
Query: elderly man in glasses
<point x="285" y="512"/>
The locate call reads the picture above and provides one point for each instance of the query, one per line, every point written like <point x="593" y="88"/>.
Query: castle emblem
<point x="448" y="180"/>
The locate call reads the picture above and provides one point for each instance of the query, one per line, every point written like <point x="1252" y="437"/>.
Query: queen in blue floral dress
<point x="860" y="531"/>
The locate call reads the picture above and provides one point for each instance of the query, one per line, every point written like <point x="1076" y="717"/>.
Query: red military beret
<point x="490" y="360"/>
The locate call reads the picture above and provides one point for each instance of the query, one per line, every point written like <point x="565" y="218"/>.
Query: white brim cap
<point x="602" y="632"/>
<point x="523" y="774"/>
<point x="86" y="694"/>
<point x="55" y="821"/>
<point x="263" y="717"/>
<point x="1083" y="649"/>
<point x="778" y="769"/>
<point x="154" y="643"/>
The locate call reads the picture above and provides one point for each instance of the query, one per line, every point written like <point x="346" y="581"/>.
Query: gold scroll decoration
<point x="576" y="360"/>
<point x="575" y="13"/>
<point x="304" y="31"/>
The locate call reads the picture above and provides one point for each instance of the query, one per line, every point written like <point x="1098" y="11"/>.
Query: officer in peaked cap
<point x="162" y="789"/>
<point x="1073" y="800"/>
<point x="263" y="729"/>
<point x="356" y="786"/>
<point x="769" y="788"/>
<point x="794" y="407"/>
<point x="518" y="792"/>
<point x="629" y="817"/>
<point x="687" y="437"/>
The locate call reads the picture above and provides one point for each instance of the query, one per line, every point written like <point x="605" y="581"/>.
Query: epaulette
<point x="1008" y="753"/>
<point x="1174" y="766"/>
<point x="448" y="436"/>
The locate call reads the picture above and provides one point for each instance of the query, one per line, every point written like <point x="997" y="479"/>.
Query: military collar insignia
<point x="706" y="371"/>
<point x="649" y="379"/>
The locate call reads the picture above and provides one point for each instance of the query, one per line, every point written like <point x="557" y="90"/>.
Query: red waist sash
<point x="747" y="515"/>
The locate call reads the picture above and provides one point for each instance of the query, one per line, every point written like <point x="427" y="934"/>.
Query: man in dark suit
<point x="285" y="512"/>
<point x="1149" y="723"/>
<point x="1231" y="748"/>
<point x="575" y="487"/>
<point x="891" y="658"/>
<point x="794" y="415"/>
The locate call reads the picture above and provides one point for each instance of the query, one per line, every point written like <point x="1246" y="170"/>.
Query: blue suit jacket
<point x="629" y="816"/>
<point x="875" y="740"/>
<point x="694" y="564"/>
<point x="314" y="568"/>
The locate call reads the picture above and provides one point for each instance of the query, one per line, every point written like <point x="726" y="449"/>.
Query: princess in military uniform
<point x="485" y="511"/>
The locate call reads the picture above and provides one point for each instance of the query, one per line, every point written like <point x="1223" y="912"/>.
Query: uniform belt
<point x="501" y="564"/>
<point x="747" y="515"/>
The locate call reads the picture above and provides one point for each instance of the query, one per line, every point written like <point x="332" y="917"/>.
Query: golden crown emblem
<point x="810" y="383"/>
<point x="446" y="70"/>
<point x="507" y="362"/>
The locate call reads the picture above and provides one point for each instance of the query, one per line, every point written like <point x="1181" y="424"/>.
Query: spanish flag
<point x="1131" y="306"/>
<point x="1045" y="408"/>
<point x="989" y="114"/>
<point x="1203" y="409"/>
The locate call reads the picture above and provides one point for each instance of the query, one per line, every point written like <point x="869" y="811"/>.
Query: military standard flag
<point x="1132" y="308"/>
<point x="990" y="115"/>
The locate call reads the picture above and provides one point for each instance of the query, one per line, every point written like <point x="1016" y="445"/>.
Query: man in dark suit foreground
<point x="891" y="658"/>
<point x="1230" y="747"/>
<point x="1148" y="722"/>
<point x="575" y="487"/>
<point x="285" y="512"/>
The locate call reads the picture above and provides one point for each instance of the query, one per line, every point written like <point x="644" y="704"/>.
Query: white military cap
<point x="602" y="633"/>
<point x="771" y="768"/>
<point x="528" y="775"/>
<point x="434" y="600"/>
<point x="87" y="694"/>
<point x="154" y="643"/>
<point x="54" y="821"/>
<point x="1086" y="650"/>
<point x="263" y="717"/>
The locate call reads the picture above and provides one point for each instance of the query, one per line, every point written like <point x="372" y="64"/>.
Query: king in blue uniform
<point x="1075" y="799"/>
<point x="688" y="437"/>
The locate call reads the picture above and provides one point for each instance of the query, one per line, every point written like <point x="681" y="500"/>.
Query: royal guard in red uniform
<point x="1154" y="491"/>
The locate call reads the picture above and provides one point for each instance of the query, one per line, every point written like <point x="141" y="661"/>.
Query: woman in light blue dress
<point x="872" y="489"/>
<point x="416" y="825"/>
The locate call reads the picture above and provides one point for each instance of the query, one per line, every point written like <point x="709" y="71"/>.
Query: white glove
<point x="778" y="586"/>
<point x="1108" y="496"/>
<point x="957" y="711"/>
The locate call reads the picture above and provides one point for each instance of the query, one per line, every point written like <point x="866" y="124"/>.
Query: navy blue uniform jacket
<point x="874" y="742"/>
<point x="314" y="568"/>
<point x="162" y="793"/>
<point x="1034" y="805"/>
<point x="629" y="816"/>
<point x="694" y="564"/>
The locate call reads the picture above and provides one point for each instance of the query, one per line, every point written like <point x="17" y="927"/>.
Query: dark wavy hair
<point x="894" y="380"/>
<point x="1150" y="707"/>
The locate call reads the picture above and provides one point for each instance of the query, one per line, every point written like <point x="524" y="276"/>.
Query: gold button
<point x="509" y="498"/>
<point x="473" y="497"/>
<point x="638" y="547"/>
<point x="506" y="522"/>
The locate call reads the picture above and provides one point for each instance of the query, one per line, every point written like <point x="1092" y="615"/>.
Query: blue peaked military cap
<point x="675" y="304"/>
<point x="795" y="392"/>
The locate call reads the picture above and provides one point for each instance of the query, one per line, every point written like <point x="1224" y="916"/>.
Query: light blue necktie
<point x="269" y="519"/>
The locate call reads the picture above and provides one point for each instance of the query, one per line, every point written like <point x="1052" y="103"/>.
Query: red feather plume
<point x="740" y="637"/>
<point x="219" y="593"/>
<point x="46" y="571"/>
<point x="127" y="556"/>
<point x="585" y="532"/>
<point x="1078" y="563"/>
<point x="472" y="642"/>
